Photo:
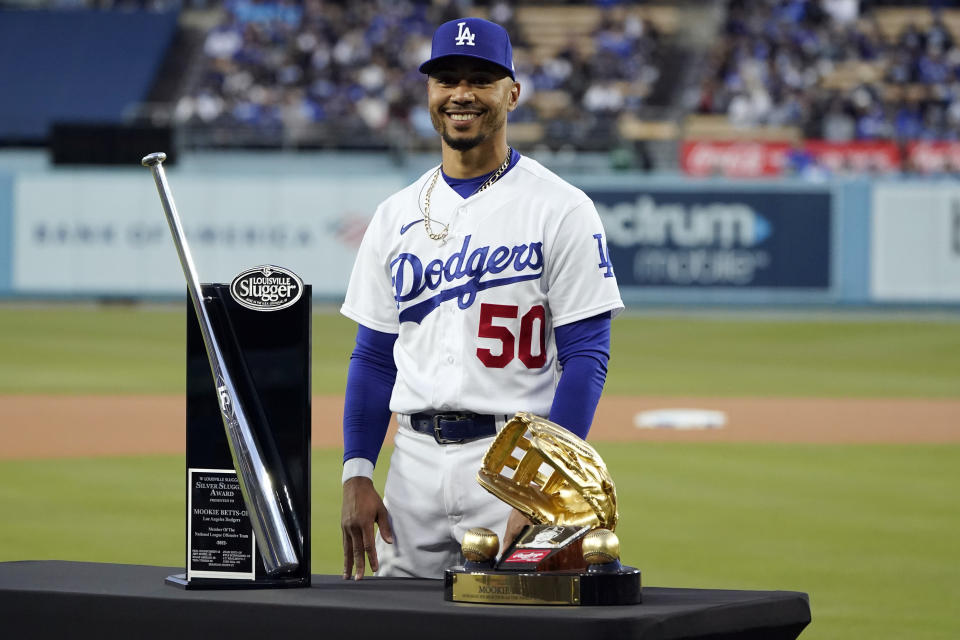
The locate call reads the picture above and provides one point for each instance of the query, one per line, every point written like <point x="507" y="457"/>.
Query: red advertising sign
<point x="733" y="159"/>
<point x="933" y="157"/>
<point x="855" y="157"/>
<point x="760" y="159"/>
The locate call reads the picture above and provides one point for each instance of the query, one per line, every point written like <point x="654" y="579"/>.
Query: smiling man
<point x="482" y="289"/>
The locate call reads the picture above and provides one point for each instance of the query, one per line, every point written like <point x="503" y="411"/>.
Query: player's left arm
<point x="583" y="350"/>
<point x="583" y="297"/>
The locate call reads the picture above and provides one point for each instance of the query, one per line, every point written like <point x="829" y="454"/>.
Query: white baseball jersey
<point x="475" y="312"/>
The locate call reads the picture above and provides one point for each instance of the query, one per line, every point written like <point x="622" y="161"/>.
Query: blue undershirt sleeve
<point x="583" y="350"/>
<point x="366" y="408"/>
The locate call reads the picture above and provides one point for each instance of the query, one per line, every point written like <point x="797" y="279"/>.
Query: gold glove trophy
<point x="570" y="556"/>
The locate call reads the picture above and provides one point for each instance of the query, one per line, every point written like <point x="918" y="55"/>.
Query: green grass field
<point x="869" y="531"/>
<point x="133" y="350"/>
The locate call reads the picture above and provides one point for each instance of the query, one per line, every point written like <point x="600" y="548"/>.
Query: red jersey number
<point x="532" y="327"/>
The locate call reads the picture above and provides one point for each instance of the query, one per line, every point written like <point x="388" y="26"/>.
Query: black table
<point x="54" y="599"/>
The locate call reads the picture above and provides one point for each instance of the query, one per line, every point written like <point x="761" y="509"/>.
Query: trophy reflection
<point x="570" y="555"/>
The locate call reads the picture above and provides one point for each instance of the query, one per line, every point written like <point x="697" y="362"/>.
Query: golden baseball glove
<point x="574" y="488"/>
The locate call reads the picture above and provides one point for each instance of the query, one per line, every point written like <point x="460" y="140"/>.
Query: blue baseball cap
<point x="473" y="38"/>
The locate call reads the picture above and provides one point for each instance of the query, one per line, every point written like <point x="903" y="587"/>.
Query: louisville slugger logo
<point x="411" y="278"/>
<point x="266" y="288"/>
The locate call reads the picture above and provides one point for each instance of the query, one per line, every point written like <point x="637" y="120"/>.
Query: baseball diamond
<point x="794" y="476"/>
<point x="718" y="240"/>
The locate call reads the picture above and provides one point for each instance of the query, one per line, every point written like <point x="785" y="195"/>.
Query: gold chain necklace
<point x="433" y="182"/>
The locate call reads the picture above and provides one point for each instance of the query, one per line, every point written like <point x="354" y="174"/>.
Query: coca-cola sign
<point x="733" y="159"/>
<point x="769" y="159"/>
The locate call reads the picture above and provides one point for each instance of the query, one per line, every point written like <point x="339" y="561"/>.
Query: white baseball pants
<point x="433" y="498"/>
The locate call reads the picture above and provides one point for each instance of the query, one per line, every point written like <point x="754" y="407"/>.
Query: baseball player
<point x="482" y="289"/>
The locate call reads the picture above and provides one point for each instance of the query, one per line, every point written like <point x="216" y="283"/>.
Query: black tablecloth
<point x="53" y="599"/>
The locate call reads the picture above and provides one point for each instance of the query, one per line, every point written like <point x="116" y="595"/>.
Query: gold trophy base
<point x="546" y="588"/>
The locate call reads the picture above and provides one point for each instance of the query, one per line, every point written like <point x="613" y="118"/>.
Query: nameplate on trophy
<point x="220" y="540"/>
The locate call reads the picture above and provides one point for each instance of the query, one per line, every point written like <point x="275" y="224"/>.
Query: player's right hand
<point x="361" y="508"/>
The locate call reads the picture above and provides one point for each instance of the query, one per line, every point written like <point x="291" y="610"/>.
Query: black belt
<point x="454" y="427"/>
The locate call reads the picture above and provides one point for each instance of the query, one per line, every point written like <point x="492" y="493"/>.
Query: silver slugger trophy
<point x="262" y="492"/>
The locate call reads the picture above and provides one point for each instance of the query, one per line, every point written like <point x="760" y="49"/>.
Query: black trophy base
<point x="268" y="357"/>
<point x="545" y="588"/>
<point x="180" y="580"/>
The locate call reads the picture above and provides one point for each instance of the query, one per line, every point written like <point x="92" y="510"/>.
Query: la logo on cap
<point x="463" y="35"/>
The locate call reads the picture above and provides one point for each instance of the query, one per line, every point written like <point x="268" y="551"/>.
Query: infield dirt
<point x="42" y="426"/>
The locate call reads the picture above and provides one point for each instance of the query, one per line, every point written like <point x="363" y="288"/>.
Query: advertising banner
<point x="915" y="245"/>
<point x="704" y="158"/>
<point x="861" y="156"/>
<point x="90" y="234"/>
<point x="934" y="157"/>
<point x="718" y="238"/>
<point x="769" y="159"/>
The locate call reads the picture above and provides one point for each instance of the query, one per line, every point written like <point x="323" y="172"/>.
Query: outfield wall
<point x="93" y="233"/>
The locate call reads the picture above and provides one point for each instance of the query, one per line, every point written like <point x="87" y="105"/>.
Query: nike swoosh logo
<point x="404" y="228"/>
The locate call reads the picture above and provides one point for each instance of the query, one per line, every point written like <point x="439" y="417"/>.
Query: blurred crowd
<point x="318" y="72"/>
<point x="826" y="67"/>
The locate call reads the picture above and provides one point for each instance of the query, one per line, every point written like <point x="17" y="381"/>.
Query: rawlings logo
<point x="411" y="279"/>
<point x="528" y="556"/>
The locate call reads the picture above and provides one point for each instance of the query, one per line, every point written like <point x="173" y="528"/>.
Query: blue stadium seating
<point x="78" y="66"/>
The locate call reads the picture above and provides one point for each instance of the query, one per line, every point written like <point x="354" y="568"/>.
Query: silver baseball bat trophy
<point x="259" y="489"/>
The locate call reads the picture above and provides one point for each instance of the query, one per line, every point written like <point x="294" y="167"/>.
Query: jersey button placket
<point x="456" y="225"/>
<point x="458" y="341"/>
<point x="450" y="340"/>
<point x="447" y="361"/>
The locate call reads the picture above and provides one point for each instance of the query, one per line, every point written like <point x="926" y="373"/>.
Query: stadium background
<point x="777" y="179"/>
